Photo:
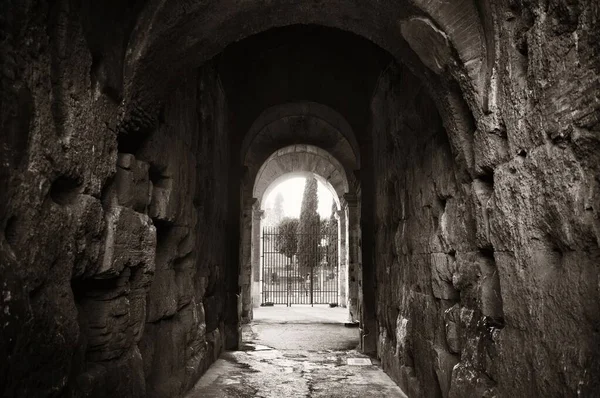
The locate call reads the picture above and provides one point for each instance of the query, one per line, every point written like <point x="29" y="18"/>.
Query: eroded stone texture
<point x="415" y="277"/>
<point x="118" y="218"/>
<point x="57" y="150"/>
<point x="93" y="240"/>
<point x="491" y="271"/>
<point x="188" y="157"/>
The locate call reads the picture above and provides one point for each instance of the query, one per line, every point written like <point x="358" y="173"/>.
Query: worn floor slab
<point x="287" y="356"/>
<point x="319" y="314"/>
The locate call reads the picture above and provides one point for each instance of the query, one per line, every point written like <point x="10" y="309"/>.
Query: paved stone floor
<point x="296" y="352"/>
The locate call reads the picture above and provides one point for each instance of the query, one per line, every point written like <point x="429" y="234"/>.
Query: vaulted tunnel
<point x="310" y="162"/>
<point x="461" y="139"/>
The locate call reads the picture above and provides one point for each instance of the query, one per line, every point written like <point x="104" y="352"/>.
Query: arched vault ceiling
<point x="299" y="159"/>
<point x="302" y="63"/>
<point x="175" y="35"/>
<point x="300" y="123"/>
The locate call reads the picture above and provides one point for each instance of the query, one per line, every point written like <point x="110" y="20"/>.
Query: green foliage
<point x="286" y="241"/>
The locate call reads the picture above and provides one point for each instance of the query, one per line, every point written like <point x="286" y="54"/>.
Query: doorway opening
<point x="299" y="245"/>
<point x="300" y="270"/>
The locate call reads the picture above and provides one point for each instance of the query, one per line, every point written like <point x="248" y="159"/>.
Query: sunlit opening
<point x="290" y="192"/>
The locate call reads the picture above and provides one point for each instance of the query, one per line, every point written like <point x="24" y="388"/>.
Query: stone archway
<point x="301" y="160"/>
<point x="302" y="122"/>
<point x="402" y="30"/>
<point x="499" y="190"/>
<point x="299" y="123"/>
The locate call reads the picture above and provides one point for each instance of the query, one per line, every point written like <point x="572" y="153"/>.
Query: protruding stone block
<point x="161" y="207"/>
<point x="130" y="241"/>
<point x="469" y="382"/>
<point x="133" y="186"/>
<point x="90" y="227"/>
<point x="401" y="335"/>
<point x="174" y="241"/>
<point x="452" y="326"/>
<point x="108" y="331"/>
<point x="125" y="160"/>
<point x="467" y="272"/>
<point x="491" y="149"/>
<point x="490" y="295"/>
<point x="444" y="364"/>
<point x="483" y="195"/>
<point x="163" y="296"/>
<point x="442" y="269"/>
<point x="184" y="279"/>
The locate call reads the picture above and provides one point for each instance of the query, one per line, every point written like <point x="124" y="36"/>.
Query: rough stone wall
<point x="421" y="232"/>
<point x="112" y="254"/>
<point x="188" y="157"/>
<point x="491" y="284"/>
<point x="58" y="150"/>
<point x="545" y="206"/>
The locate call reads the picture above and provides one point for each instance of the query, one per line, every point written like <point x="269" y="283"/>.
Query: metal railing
<point x="308" y="275"/>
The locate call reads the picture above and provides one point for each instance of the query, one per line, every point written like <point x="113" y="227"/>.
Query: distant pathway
<point x="296" y="352"/>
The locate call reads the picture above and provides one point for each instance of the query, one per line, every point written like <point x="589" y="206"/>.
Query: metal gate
<point x="305" y="274"/>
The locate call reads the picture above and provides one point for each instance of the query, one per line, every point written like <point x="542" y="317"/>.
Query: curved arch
<point x="194" y="31"/>
<point x="295" y="174"/>
<point x="300" y="159"/>
<point x="318" y="125"/>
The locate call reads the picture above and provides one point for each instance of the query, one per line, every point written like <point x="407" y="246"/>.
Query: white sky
<point x="292" y="191"/>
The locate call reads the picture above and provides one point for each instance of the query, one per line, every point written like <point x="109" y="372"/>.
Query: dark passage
<point x="459" y="140"/>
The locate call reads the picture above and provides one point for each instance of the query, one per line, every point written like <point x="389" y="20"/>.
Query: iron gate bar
<point x="282" y="280"/>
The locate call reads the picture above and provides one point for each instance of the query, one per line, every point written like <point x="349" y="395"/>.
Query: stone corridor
<point x="460" y="140"/>
<point x="259" y="371"/>
<point x="297" y="352"/>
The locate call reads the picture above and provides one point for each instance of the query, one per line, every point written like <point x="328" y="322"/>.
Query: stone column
<point x="245" y="279"/>
<point x="340" y="216"/>
<point x="257" y="216"/>
<point x="353" y="251"/>
<point x="367" y="296"/>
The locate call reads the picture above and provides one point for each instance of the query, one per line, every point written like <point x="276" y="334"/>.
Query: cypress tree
<point x="276" y="215"/>
<point x="308" y="229"/>
<point x="332" y="238"/>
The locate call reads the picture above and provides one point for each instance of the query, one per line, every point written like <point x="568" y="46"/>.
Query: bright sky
<point x="292" y="191"/>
